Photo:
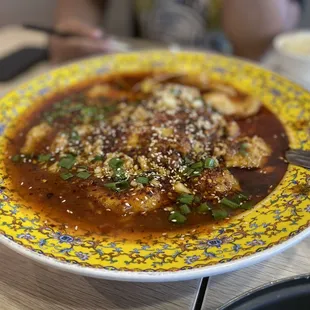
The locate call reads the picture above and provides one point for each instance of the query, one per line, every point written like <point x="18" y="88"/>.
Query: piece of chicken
<point x="172" y="96"/>
<point x="222" y="88"/>
<point x="150" y="84"/>
<point x="214" y="182"/>
<point x="233" y="129"/>
<point x="244" y="152"/>
<point x="237" y="106"/>
<point x="34" y="137"/>
<point x="140" y="201"/>
<point x="105" y="90"/>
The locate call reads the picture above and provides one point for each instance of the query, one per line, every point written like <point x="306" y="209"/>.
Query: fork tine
<point x="299" y="152"/>
<point x="299" y="158"/>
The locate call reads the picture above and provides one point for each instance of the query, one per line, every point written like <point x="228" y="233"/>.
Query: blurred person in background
<point x="249" y="25"/>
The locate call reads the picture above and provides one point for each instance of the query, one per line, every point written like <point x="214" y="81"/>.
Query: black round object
<point x="287" y="294"/>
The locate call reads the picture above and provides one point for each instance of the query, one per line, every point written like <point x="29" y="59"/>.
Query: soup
<point x="146" y="152"/>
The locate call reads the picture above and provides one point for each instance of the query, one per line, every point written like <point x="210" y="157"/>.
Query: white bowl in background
<point x="293" y="55"/>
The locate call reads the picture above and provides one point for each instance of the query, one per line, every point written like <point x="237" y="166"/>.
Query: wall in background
<point x="306" y="15"/>
<point x="26" y="11"/>
<point x="41" y="12"/>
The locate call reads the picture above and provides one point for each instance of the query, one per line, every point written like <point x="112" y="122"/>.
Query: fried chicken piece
<point x="34" y="138"/>
<point x="214" y="182"/>
<point x="244" y="152"/>
<point x="237" y="106"/>
<point x="141" y="200"/>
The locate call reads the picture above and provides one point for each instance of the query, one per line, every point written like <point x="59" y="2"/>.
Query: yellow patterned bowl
<point x="277" y="222"/>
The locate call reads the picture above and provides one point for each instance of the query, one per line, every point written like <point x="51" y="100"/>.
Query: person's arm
<point x="80" y="17"/>
<point x="251" y="25"/>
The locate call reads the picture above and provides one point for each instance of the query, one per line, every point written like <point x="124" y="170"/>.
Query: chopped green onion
<point x="246" y="205"/>
<point x="243" y="148"/>
<point x="186" y="199"/>
<point x="89" y="111"/>
<point x="98" y="158"/>
<point x="49" y="119"/>
<point x="83" y="175"/>
<point x="119" y="174"/>
<point x="197" y="165"/>
<point x="99" y="117"/>
<point x="75" y="136"/>
<point x="117" y="186"/>
<point x="203" y="208"/>
<point x="74" y="107"/>
<point x="66" y="175"/>
<point x="196" y="169"/>
<point x="196" y="199"/>
<point x="211" y="163"/>
<point x="196" y="173"/>
<point x="177" y="217"/>
<point x="188" y="171"/>
<point x="109" y="109"/>
<point x="219" y="214"/>
<point x="112" y="185"/>
<point x="229" y="203"/>
<point x="16" y="158"/>
<point x="44" y="158"/>
<point x="116" y="163"/>
<point x="67" y="162"/>
<point x="187" y="161"/>
<point x="64" y="101"/>
<point x="239" y="198"/>
<point x="142" y="180"/>
<point x="242" y="196"/>
<point x="185" y="209"/>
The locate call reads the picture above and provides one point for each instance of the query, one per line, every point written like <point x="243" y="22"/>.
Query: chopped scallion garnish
<point x="66" y="175"/>
<point x="246" y="205"/>
<point x="98" y="158"/>
<point x="196" y="169"/>
<point x="230" y="203"/>
<point x="75" y="136"/>
<point x="203" y="208"/>
<point x="239" y="198"/>
<point x="188" y="171"/>
<point x="211" y="163"/>
<point x="242" y="196"/>
<point x="197" y="165"/>
<point x="186" y="199"/>
<point x="187" y="161"/>
<point x="16" y="158"/>
<point x="196" y="173"/>
<point x="142" y="180"/>
<point x="119" y="174"/>
<point x="219" y="214"/>
<point x="44" y="158"/>
<point x="243" y="148"/>
<point x="196" y="199"/>
<point x="83" y="175"/>
<point x="116" y="163"/>
<point x="185" y="209"/>
<point x="177" y="217"/>
<point x="117" y="186"/>
<point x="89" y="111"/>
<point x="67" y="162"/>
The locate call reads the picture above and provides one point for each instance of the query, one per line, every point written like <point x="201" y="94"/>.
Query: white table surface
<point x="25" y="284"/>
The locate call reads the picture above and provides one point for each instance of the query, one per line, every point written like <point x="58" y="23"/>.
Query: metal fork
<point x="298" y="158"/>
